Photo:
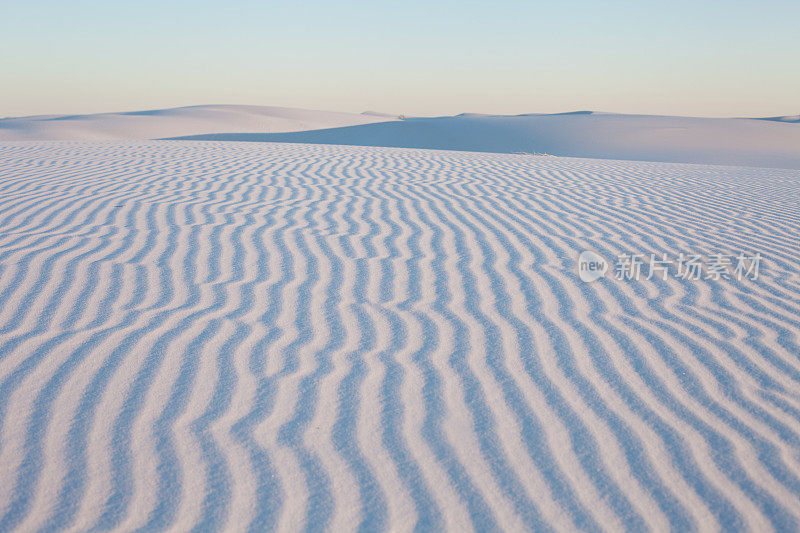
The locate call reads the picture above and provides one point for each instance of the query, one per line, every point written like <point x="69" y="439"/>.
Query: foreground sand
<point x="246" y="335"/>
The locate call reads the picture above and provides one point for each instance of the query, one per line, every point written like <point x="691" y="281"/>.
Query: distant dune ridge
<point x="226" y="336"/>
<point x="787" y="118"/>
<point x="767" y="142"/>
<point x="192" y="120"/>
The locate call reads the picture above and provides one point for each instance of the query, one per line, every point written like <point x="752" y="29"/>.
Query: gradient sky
<point x="706" y="58"/>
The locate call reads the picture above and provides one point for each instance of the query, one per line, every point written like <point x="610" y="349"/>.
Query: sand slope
<point x="275" y="336"/>
<point x="768" y="142"/>
<point x="750" y="142"/>
<point x="191" y="120"/>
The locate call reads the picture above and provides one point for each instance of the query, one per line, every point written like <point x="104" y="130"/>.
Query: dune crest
<point x="768" y="142"/>
<point x="192" y="120"/>
<point x="718" y="141"/>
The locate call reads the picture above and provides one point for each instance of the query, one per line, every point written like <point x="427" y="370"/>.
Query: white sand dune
<point x="192" y="120"/>
<point x="224" y="335"/>
<point x="785" y="118"/>
<point x="766" y="142"/>
<point x="773" y="142"/>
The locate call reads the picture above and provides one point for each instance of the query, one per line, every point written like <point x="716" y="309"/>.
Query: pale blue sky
<point x="712" y="58"/>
